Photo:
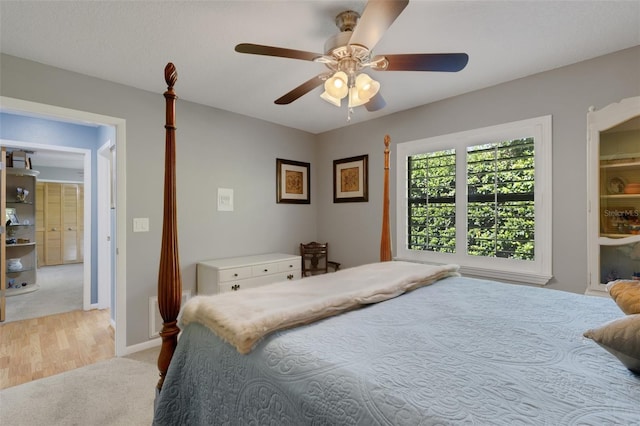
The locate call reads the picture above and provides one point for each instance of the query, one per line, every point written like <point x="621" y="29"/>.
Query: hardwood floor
<point x="35" y="348"/>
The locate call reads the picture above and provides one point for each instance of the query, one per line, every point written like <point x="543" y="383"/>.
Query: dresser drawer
<point x="265" y="269"/>
<point x="289" y="266"/>
<point x="235" y="274"/>
<point x="257" y="281"/>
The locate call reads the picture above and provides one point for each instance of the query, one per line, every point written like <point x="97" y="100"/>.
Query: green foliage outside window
<point x="500" y="200"/>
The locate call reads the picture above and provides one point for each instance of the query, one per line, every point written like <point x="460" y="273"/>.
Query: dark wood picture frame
<point x="293" y="182"/>
<point x="351" y="179"/>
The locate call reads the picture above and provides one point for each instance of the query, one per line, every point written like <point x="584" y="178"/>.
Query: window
<point x="481" y="199"/>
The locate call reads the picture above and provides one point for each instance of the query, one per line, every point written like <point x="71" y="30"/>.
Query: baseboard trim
<point x="141" y="346"/>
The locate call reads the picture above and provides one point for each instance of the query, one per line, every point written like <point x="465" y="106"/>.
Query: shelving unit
<point x="614" y="193"/>
<point x="20" y="220"/>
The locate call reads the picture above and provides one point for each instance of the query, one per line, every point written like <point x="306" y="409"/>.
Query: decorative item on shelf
<point x="636" y="276"/>
<point x="23" y="241"/>
<point x="615" y="220"/>
<point x="21" y="194"/>
<point x="634" y="228"/>
<point x="14" y="265"/>
<point x="10" y="217"/>
<point x="19" y="160"/>
<point x="632" y="188"/>
<point x="10" y="241"/>
<point x="616" y="185"/>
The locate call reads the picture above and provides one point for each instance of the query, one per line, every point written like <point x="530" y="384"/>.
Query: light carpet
<point x="60" y="291"/>
<point x="119" y="391"/>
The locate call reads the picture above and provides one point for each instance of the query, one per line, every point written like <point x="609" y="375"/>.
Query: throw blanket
<point x="243" y="318"/>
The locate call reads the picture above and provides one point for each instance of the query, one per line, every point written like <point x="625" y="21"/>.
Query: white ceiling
<point x="130" y="42"/>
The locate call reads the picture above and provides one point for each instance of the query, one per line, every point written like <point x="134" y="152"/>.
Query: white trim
<point x="155" y="318"/>
<point x="104" y="231"/>
<point x="18" y="105"/>
<point x="128" y="350"/>
<point x="598" y="293"/>
<point x="538" y="271"/>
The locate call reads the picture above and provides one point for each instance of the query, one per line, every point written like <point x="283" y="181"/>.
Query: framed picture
<point x="292" y="182"/>
<point x="351" y="179"/>
<point x="10" y="217"/>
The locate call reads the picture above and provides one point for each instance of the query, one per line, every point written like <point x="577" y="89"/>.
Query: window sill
<point x="497" y="274"/>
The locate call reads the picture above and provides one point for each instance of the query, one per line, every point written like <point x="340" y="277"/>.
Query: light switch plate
<point x="225" y="200"/>
<point x="140" y="224"/>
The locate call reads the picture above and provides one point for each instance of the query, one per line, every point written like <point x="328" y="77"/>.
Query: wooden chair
<point x="315" y="259"/>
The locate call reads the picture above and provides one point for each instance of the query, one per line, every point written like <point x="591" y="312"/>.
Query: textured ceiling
<point x="130" y="42"/>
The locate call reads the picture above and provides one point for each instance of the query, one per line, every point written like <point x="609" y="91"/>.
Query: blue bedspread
<point x="461" y="351"/>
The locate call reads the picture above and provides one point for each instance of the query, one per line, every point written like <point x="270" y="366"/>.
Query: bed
<point x="428" y="347"/>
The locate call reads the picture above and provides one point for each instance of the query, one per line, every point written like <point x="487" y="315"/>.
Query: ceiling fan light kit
<point x="349" y="52"/>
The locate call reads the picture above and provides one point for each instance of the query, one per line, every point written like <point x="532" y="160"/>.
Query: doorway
<point x="117" y="279"/>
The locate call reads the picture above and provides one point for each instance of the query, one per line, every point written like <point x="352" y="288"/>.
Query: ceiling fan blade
<point x="377" y="17"/>
<point x="259" y="49"/>
<point x="303" y="89"/>
<point x="375" y="103"/>
<point x="447" y="62"/>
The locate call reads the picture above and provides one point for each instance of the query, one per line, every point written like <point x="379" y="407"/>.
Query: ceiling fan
<point x="349" y="52"/>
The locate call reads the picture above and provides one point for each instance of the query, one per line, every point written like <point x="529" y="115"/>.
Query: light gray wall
<point x="566" y="93"/>
<point x="214" y="149"/>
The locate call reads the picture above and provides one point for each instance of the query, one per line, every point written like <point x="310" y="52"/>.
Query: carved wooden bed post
<point x="169" y="278"/>
<point x="385" y="240"/>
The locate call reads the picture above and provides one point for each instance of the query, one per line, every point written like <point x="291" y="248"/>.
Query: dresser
<point x="236" y="273"/>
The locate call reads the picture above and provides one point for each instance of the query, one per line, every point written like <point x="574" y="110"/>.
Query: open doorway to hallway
<point x="93" y="297"/>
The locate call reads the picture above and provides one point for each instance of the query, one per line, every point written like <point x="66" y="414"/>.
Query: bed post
<point x="385" y="240"/>
<point x="169" y="279"/>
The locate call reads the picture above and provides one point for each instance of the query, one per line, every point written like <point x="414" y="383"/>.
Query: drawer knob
<point x="235" y="275"/>
<point x="266" y="270"/>
<point x="290" y="276"/>
<point x="235" y="287"/>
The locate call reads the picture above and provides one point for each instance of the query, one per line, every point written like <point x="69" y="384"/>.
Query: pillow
<point x="626" y="294"/>
<point x="621" y="338"/>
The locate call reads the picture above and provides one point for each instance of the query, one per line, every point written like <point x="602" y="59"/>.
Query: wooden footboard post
<point x="169" y="278"/>
<point x="385" y="239"/>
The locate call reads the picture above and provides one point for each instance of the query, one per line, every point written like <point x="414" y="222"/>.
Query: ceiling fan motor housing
<point x="348" y="58"/>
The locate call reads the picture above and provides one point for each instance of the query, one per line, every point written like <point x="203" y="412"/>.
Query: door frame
<point x="105" y="231"/>
<point x="20" y="106"/>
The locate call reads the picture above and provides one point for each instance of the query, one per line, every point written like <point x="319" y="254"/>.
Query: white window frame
<point x="537" y="271"/>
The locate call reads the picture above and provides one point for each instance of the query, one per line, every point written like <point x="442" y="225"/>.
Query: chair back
<point x="314" y="258"/>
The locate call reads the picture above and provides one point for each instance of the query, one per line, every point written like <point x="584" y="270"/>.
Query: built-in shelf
<point x="20" y="237"/>
<point x="614" y="214"/>
<point x="21" y="244"/>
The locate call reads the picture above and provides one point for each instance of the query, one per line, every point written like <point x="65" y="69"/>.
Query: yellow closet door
<point x="40" y="222"/>
<point x="53" y="224"/>
<point x="70" y="247"/>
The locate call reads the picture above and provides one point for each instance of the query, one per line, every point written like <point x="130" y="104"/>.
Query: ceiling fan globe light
<point x="332" y="100"/>
<point x="336" y="86"/>
<point x="367" y="87"/>
<point x="354" y="99"/>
